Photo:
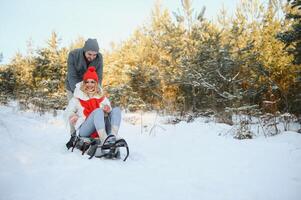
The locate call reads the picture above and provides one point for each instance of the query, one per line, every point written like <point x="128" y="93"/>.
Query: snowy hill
<point x="184" y="161"/>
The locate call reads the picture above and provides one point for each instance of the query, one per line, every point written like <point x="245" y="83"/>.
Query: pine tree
<point x="49" y="75"/>
<point x="292" y="39"/>
<point x="7" y="84"/>
<point x="78" y="43"/>
<point x="22" y="68"/>
<point x="136" y="67"/>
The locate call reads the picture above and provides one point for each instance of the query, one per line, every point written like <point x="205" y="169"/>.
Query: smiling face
<point x="90" y="55"/>
<point x="90" y="85"/>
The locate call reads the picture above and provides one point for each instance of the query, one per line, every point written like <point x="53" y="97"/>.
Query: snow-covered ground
<point x="184" y="161"/>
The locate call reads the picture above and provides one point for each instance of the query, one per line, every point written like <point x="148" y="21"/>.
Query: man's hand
<point x="73" y="119"/>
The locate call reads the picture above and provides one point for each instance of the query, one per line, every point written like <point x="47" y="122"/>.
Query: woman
<point x="88" y="108"/>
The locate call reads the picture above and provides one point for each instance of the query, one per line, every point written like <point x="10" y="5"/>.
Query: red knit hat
<point x="91" y="74"/>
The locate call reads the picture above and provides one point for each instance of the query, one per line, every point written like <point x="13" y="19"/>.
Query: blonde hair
<point x="98" y="89"/>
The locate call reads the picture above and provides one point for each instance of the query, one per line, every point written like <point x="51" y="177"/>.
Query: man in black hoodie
<point x="78" y="62"/>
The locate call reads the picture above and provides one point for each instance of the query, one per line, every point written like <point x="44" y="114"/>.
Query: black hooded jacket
<point x="77" y="66"/>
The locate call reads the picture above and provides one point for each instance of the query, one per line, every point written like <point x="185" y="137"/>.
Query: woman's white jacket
<point x="75" y="107"/>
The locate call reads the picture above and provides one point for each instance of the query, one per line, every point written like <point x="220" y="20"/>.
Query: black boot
<point x="71" y="142"/>
<point x="93" y="147"/>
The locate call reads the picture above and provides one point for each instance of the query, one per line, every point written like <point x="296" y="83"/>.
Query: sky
<point x="107" y="21"/>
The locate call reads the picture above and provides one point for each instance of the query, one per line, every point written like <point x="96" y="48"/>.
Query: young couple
<point x="89" y="111"/>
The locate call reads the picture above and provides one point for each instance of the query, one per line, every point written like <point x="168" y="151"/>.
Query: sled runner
<point x="109" y="149"/>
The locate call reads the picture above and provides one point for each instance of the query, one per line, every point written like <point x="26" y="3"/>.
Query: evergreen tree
<point x="292" y="39"/>
<point x="78" y="43"/>
<point x="49" y="75"/>
<point x="7" y="84"/>
<point x="22" y="68"/>
<point x="136" y="67"/>
<point x="276" y="71"/>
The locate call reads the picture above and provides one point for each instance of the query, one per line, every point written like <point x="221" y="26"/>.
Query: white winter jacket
<point x="75" y="107"/>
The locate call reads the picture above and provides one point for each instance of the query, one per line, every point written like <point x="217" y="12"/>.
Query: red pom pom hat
<point x="91" y="74"/>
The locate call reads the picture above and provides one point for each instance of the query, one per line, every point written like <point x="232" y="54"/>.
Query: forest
<point x="179" y="62"/>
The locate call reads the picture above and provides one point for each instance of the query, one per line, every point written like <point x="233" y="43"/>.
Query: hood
<point x="91" y="45"/>
<point x="81" y="95"/>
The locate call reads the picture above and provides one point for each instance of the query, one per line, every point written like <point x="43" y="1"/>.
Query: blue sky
<point x="107" y="20"/>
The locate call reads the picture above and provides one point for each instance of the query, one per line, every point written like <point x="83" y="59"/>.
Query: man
<point x="78" y="62"/>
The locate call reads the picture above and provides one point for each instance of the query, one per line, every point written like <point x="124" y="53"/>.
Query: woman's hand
<point x="106" y="109"/>
<point x="73" y="119"/>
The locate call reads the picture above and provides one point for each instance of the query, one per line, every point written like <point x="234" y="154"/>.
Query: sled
<point x="110" y="148"/>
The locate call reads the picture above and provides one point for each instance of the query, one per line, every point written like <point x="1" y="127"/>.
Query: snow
<point x="182" y="161"/>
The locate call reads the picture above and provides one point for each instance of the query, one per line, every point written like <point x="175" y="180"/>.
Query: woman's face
<point x="90" y="85"/>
